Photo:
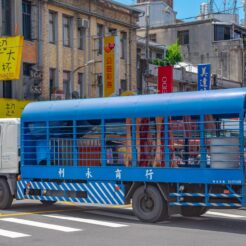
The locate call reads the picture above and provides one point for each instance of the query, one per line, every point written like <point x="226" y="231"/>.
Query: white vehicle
<point x="9" y="159"/>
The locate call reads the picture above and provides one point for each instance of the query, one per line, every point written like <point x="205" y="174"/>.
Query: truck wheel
<point x="47" y="203"/>
<point x="6" y="197"/>
<point x="193" y="211"/>
<point x="149" y="205"/>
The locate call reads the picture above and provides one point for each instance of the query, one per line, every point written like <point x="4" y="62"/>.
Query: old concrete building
<point x="11" y="16"/>
<point x="208" y="41"/>
<point x="63" y="51"/>
<point x="158" y="12"/>
<point x="146" y="83"/>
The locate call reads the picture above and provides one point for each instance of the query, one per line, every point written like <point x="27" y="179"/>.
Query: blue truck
<point x="182" y="151"/>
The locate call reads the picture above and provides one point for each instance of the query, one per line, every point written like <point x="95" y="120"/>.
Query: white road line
<point x="40" y="224"/>
<point x="88" y="221"/>
<point x="225" y="215"/>
<point x="114" y="215"/>
<point x="12" y="234"/>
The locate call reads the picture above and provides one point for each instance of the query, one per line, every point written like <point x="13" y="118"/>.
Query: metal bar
<point x="241" y="117"/>
<point x="74" y="147"/>
<point x="203" y="154"/>
<point x="166" y="142"/>
<point x="103" y="144"/>
<point x="48" y="142"/>
<point x="134" y="143"/>
<point x="206" y="194"/>
<point x="216" y="204"/>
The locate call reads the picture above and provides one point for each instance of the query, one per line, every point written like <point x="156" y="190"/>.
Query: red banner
<point x="165" y="79"/>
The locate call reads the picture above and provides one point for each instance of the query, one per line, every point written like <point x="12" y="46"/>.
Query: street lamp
<point x="82" y="66"/>
<point x="85" y="65"/>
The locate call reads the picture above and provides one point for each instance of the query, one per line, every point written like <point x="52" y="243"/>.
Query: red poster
<point x="165" y="79"/>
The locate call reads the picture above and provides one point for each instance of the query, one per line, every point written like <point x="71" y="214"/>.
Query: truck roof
<point x="227" y="101"/>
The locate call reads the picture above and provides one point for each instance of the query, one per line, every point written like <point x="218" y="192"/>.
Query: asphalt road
<point x="29" y="223"/>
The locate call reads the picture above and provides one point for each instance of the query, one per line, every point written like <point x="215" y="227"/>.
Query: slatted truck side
<point x="179" y="150"/>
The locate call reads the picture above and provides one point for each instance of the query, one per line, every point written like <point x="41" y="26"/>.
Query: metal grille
<point x="213" y="141"/>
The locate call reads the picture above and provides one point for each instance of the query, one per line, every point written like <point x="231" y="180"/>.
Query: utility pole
<point x="147" y="46"/>
<point x="244" y="6"/>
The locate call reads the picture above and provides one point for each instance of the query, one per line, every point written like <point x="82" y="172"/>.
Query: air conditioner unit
<point x="83" y="23"/>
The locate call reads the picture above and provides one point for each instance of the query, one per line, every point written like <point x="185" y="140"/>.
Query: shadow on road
<point x="119" y="215"/>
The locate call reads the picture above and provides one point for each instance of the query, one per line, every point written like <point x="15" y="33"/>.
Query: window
<point x="123" y="42"/>
<point x="112" y="31"/>
<point x="123" y="85"/>
<point x="100" y="85"/>
<point x="52" y="82"/>
<point x="100" y="34"/>
<point x="6" y="17"/>
<point x="81" y="38"/>
<point x="152" y="37"/>
<point x="52" y="27"/>
<point x="183" y="37"/>
<point x="26" y="18"/>
<point x="67" y="22"/>
<point x="7" y="89"/>
<point x="159" y="56"/>
<point x="222" y="32"/>
<point x="66" y="84"/>
<point x="81" y="84"/>
<point x="27" y="67"/>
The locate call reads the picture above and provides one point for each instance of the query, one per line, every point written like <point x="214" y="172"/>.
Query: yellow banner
<point x="109" y="66"/>
<point x="11" y="108"/>
<point x="10" y="57"/>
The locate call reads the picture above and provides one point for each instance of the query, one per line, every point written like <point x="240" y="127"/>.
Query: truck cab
<point x="9" y="159"/>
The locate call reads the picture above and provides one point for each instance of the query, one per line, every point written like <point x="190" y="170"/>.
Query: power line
<point x="218" y="12"/>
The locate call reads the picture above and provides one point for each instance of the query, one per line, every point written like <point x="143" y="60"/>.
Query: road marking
<point x="88" y="221"/>
<point x="12" y="234"/>
<point x="39" y="212"/>
<point x="114" y="215"/>
<point x="225" y="215"/>
<point x="41" y="225"/>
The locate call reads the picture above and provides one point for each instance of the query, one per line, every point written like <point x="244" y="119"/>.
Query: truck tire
<point x="47" y="203"/>
<point x="6" y="197"/>
<point x="149" y="205"/>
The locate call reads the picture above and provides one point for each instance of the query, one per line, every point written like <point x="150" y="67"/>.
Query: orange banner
<point x="109" y="66"/>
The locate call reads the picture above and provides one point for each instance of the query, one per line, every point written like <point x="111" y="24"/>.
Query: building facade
<point x="208" y="41"/>
<point x="156" y="13"/>
<point x="146" y="83"/>
<point x="63" y="50"/>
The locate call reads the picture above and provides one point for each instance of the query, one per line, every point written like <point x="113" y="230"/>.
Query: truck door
<point x="10" y="148"/>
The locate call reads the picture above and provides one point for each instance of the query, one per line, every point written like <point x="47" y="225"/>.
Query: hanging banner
<point x="204" y="73"/>
<point x="10" y="57"/>
<point x="165" y="79"/>
<point x="110" y="65"/>
<point x="11" y="108"/>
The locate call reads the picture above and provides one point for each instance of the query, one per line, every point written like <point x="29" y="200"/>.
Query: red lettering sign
<point x="165" y="79"/>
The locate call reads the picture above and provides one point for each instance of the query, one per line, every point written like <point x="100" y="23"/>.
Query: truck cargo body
<point x="182" y="150"/>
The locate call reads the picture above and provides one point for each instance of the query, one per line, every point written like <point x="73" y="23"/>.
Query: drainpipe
<point x="40" y="47"/>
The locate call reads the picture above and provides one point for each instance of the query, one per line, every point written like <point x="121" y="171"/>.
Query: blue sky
<point x="186" y="9"/>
